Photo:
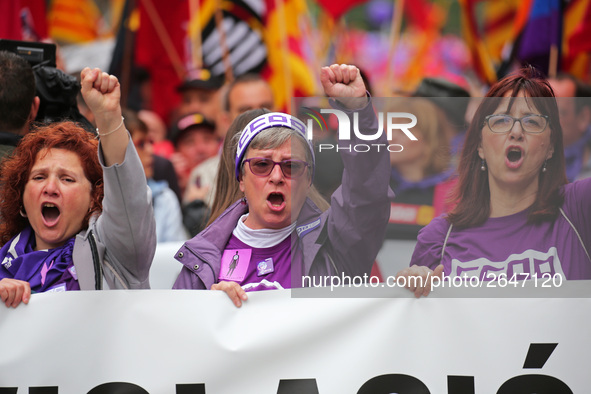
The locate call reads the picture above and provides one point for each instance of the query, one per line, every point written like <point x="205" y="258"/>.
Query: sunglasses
<point x="290" y="168"/>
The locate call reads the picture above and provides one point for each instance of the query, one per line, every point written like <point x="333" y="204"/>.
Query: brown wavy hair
<point x="15" y="170"/>
<point x="472" y="192"/>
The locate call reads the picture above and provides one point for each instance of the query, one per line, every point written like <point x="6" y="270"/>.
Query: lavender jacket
<point x="345" y="239"/>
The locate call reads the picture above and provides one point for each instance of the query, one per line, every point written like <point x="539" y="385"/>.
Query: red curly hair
<point x="15" y="170"/>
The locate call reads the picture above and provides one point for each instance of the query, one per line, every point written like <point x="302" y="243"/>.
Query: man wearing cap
<point x="195" y="141"/>
<point x="200" y="93"/>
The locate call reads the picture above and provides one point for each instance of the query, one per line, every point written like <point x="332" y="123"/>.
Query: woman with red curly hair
<point x="72" y="219"/>
<point x="516" y="216"/>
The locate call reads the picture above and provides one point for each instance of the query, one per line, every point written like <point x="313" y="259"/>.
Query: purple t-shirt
<point x="257" y="268"/>
<point x="512" y="246"/>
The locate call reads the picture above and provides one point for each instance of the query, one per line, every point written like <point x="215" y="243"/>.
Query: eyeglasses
<point x="533" y="124"/>
<point x="290" y="168"/>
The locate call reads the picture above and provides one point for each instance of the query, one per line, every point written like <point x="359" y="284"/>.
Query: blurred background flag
<point x="481" y="58"/>
<point x="541" y="39"/>
<point x="287" y="69"/>
<point x="234" y="37"/>
<point x="10" y="28"/>
<point x="500" y="27"/>
<point x="23" y="20"/>
<point x="74" y="21"/>
<point x="576" y="43"/>
<point x="395" y="42"/>
<point x="337" y="9"/>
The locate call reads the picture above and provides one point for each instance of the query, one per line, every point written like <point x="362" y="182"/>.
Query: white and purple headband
<point x="263" y="122"/>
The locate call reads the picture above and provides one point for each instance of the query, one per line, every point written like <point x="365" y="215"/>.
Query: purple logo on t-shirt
<point x="264" y="267"/>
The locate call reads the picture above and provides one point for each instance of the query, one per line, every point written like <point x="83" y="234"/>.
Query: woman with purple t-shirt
<point x="276" y="237"/>
<point x="515" y="213"/>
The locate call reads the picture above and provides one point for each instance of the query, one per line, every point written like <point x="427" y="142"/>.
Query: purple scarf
<point x="45" y="270"/>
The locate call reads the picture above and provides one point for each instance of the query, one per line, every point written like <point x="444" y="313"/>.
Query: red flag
<point x="34" y="20"/>
<point x="23" y="20"/>
<point x="423" y="14"/>
<point x="159" y="49"/>
<point x="10" y="24"/>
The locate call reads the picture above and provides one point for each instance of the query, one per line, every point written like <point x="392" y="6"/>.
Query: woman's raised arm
<point x="102" y="94"/>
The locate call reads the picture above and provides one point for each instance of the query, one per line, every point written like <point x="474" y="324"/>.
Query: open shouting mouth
<point x="51" y="214"/>
<point x="514" y="157"/>
<point x="276" y="201"/>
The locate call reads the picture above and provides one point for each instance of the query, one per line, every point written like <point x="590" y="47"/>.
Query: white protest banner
<point x="162" y="341"/>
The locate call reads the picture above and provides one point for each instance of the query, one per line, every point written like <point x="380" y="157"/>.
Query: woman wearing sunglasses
<point x="276" y="235"/>
<point x="516" y="217"/>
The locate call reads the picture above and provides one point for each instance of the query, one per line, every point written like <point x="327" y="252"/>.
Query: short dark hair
<point x="244" y="78"/>
<point x="17" y="91"/>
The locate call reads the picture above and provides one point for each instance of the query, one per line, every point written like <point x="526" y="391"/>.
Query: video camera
<point x="57" y="90"/>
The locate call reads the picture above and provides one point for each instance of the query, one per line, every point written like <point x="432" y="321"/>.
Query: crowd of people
<point x="502" y="189"/>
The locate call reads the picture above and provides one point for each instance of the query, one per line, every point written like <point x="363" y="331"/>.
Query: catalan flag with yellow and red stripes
<point x="74" y="21"/>
<point x="576" y="45"/>
<point x="287" y="69"/>
<point x="481" y="58"/>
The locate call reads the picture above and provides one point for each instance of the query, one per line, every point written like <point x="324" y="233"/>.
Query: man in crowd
<point x="18" y="103"/>
<point x="248" y="91"/>
<point x="195" y="141"/>
<point x="201" y="93"/>
<point x="574" y="104"/>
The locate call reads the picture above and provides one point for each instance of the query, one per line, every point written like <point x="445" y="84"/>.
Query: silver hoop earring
<point x="483" y="165"/>
<point x="22" y="212"/>
<point x="243" y="200"/>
